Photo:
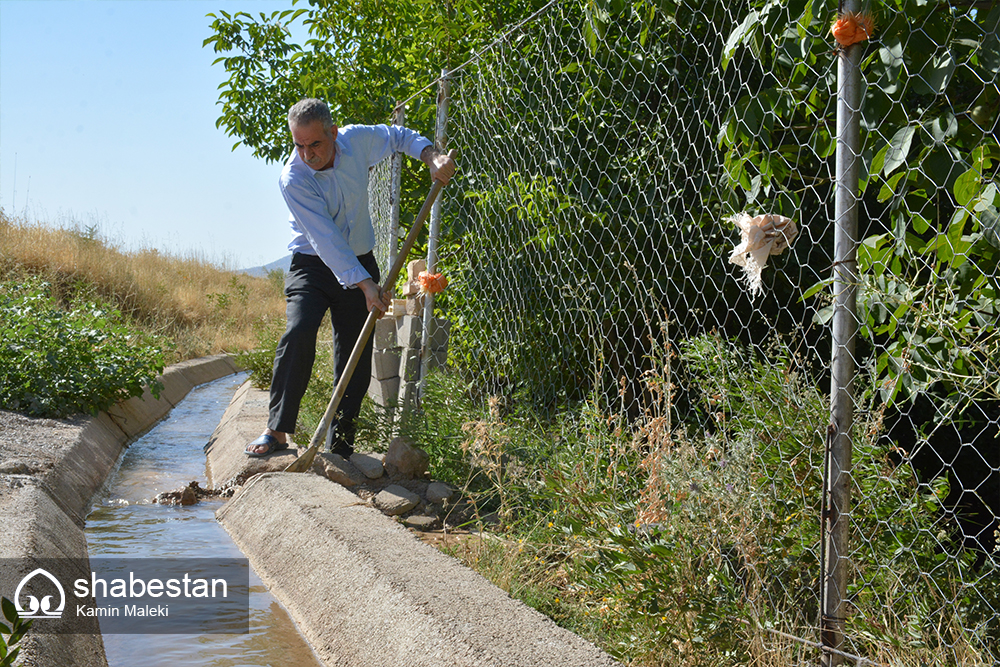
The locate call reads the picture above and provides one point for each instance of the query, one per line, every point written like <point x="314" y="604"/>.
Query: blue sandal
<point x="268" y="441"/>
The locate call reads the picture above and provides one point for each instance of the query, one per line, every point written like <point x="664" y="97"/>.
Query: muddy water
<point x="123" y="523"/>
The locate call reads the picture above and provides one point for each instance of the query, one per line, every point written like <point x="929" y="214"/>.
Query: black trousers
<point x="310" y="290"/>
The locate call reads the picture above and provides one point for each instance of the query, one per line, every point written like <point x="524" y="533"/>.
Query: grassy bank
<point x="696" y="541"/>
<point x="687" y="537"/>
<point x="199" y="307"/>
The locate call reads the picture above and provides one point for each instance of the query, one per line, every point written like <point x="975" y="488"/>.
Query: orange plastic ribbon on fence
<point x="852" y="27"/>
<point x="432" y="283"/>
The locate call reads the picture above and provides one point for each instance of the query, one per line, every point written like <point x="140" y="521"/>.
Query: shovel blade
<point x="304" y="462"/>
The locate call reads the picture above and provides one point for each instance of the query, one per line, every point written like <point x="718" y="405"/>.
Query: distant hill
<point x="262" y="271"/>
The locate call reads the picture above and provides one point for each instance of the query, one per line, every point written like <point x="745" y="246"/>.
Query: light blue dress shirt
<point x="329" y="208"/>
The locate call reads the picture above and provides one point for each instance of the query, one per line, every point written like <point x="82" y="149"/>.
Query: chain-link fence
<point x="607" y="156"/>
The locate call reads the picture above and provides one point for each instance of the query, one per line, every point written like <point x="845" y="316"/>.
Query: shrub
<point x="259" y="362"/>
<point x="56" y="362"/>
<point x="15" y="632"/>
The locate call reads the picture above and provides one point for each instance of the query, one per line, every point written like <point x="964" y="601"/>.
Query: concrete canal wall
<point x="363" y="590"/>
<point x="50" y="471"/>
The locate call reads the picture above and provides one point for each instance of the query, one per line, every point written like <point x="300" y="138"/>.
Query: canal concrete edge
<point x="49" y="472"/>
<point x="365" y="591"/>
<point x="226" y="464"/>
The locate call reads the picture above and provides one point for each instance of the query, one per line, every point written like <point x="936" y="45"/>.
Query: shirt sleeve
<point x="326" y="237"/>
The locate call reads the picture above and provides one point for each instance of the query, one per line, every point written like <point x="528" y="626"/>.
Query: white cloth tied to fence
<point x="760" y="237"/>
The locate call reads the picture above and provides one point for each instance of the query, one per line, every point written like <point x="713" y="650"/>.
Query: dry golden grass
<point x="202" y="308"/>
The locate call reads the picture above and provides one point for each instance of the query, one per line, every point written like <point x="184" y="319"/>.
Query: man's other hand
<point x="375" y="296"/>
<point x="441" y="166"/>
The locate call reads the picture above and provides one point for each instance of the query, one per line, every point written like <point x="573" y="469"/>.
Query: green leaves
<point x="56" y="362"/>
<point x="9" y="649"/>
<point x="737" y="37"/>
<point x="943" y="128"/>
<point x="361" y="58"/>
<point x="895" y="153"/>
<point x="927" y="296"/>
<point x="936" y="74"/>
<point x="929" y="145"/>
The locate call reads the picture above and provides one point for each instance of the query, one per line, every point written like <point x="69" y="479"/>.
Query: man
<point x="325" y="185"/>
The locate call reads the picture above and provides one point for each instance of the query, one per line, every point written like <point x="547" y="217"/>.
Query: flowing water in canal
<point x="125" y="524"/>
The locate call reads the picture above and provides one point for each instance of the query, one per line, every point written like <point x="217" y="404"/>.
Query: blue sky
<point x="107" y="118"/>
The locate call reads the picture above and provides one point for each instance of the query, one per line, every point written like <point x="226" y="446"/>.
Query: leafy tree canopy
<point x="360" y="56"/>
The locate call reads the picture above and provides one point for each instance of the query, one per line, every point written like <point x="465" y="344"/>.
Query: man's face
<point x="315" y="144"/>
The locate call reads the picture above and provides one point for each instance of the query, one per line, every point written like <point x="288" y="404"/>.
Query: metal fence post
<point x="396" y="170"/>
<point x="843" y="366"/>
<point x="441" y="143"/>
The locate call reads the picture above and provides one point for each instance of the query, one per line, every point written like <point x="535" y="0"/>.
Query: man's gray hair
<point x="308" y="110"/>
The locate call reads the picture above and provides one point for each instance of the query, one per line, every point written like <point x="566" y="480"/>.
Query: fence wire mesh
<point x="606" y="154"/>
<point x="381" y="204"/>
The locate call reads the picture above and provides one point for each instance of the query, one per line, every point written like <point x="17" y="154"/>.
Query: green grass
<point x="689" y="539"/>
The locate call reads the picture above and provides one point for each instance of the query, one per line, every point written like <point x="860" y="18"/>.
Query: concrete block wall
<point x="396" y="359"/>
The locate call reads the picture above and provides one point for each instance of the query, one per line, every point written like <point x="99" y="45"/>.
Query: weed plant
<point x="56" y="361"/>
<point x="696" y="540"/>
<point x="440" y="431"/>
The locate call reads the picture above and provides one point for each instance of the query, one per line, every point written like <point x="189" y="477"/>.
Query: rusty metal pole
<point x="441" y="143"/>
<point x="844" y="366"/>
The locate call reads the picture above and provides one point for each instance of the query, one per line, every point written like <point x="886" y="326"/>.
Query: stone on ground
<point x="369" y="464"/>
<point x="421" y="522"/>
<point x="395" y="499"/>
<point x="405" y="460"/>
<point x="338" y="469"/>
<point x="439" y="492"/>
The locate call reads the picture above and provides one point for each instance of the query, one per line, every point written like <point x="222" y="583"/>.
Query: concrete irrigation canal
<point x="333" y="580"/>
<point x="125" y="523"/>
